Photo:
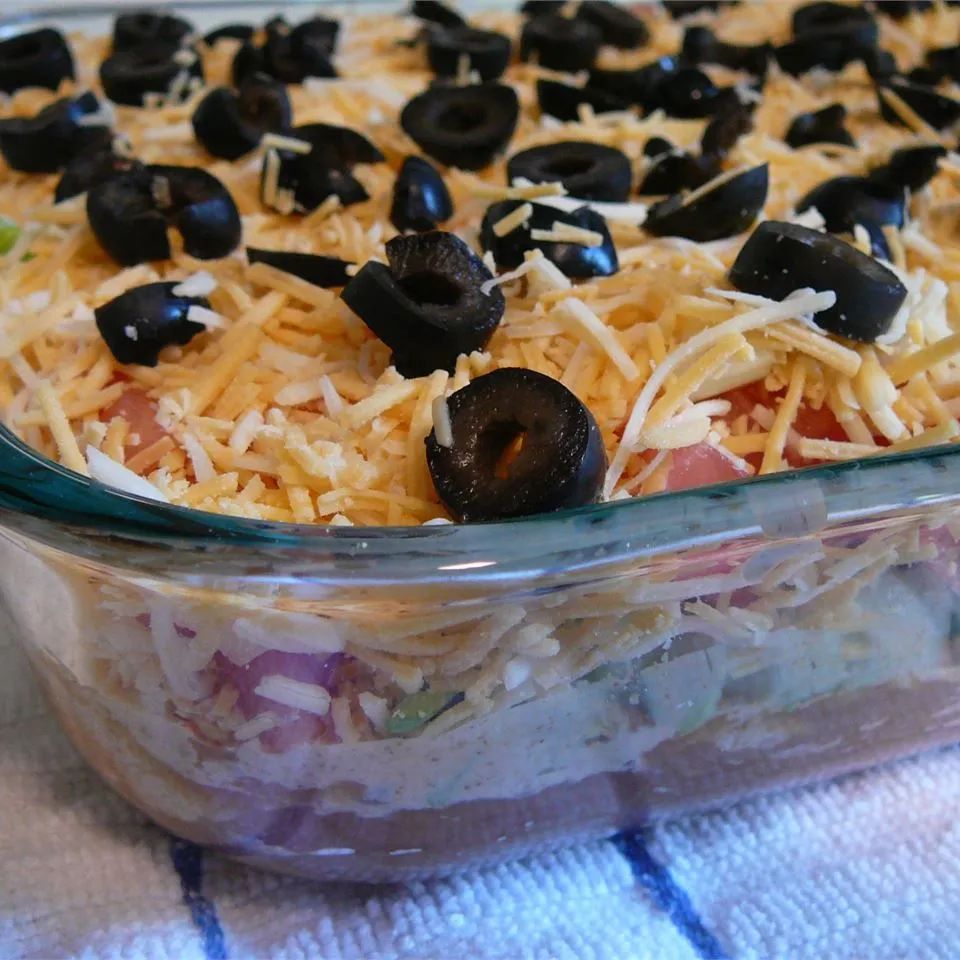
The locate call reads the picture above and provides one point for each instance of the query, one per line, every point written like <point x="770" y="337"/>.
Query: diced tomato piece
<point x="306" y="667"/>
<point x="701" y="465"/>
<point x="295" y="726"/>
<point x="140" y="412"/>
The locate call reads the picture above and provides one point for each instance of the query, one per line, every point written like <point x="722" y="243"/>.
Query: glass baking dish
<point x="459" y="695"/>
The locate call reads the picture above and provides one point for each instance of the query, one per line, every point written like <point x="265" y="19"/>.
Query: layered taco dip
<point x="426" y="267"/>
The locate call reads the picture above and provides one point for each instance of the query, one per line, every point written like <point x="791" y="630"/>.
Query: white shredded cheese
<point x="309" y="697"/>
<point x="443" y="429"/>
<point x="114" y="474"/>
<point x="199" y="284"/>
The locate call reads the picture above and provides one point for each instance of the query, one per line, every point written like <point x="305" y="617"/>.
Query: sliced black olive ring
<point x="828" y="35"/>
<point x="779" y="258"/>
<point x="230" y="124"/>
<point x="687" y="93"/>
<point x="910" y="168"/>
<point x="463" y="127"/>
<point x="589" y="171"/>
<point x="931" y="106"/>
<point x="421" y="200"/>
<point x="427" y="306"/>
<point x="319" y="270"/>
<point x="129" y="214"/>
<point x="487" y="52"/>
<point x="617" y="25"/>
<point x="844" y="202"/>
<point x="520" y="444"/>
<point x="90" y="168"/>
<point x="289" y="54"/>
<point x="640" y="87"/>
<point x="674" y="170"/>
<point x="138" y="324"/>
<point x="563" y="100"/>
<point x="129" y="75"/>
<point x="433" y="11"/>
<point x="944" y="62"/>
<point x="722" y="208"/>
<point x="701" y="45"/>
<point x="46" y="142"/>
<point x="40" y="58"/>
<point x="229" y="31"/>
<point x="821" y="126"/>
<point x="303" y="180"/>
<point x="145" y="27"/>
<point x="731" y="121"/>
<point x="684" y="8"/>
<point x="574" y="258"/>
<point x="560" y="43"/>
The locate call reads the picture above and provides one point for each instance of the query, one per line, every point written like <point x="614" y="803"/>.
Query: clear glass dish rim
<point x="54" y="505"/>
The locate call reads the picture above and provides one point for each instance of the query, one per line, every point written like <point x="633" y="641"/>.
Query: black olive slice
<point x="522" y="444"/>
<point x="688" y="93"/>
<point x="248" y="61"/>
<point x="46" y="142"/>
<point x="590" y="171"/>
<point x="722" y="208"/>
<point x="779" y="258"/>
<point x="732" y="120"/>
<point x="676" y="170"/>
<point x="427" y="306"/>
<point x="574" y="259"/>
<point x="433" y="11"/>
<point x="289" y="54"/>
<point x="898" y="9"/>
<point x="537" y="8"/>
<point x="678" y="9"/>
<point x="827" y="49"/>
<point x="843" y="202"/>
<point x="148" y="28"/>
<point x="129" y="214"/>
<point x="301" y="52"/>
<point x="230" y="124"/>
<point x="138" y="324"/>
<point x="421" y="200"/>
<point x="90" y="168"/>
<point x="825" y="15"/>
<point x="638" y="87"/>
<point x="319" y="270"/>
<point x="937" y="109"/>
<point x="617" y="25"/>
<point x="325" y="170"/>
<point x="229" y="31"/>
<point x="129" y="75"/>
<point x="701" y="45"/>
<point x="562" y="100"/>
<point x="560" y="43"/>
<point x="463" y="127"/>
<point x="828" y="35"/>
<point x="40" y="58"/>
<point x="910" y="168"/>
<point x="657" y="147"/>
<point x="821" y="126"/>
<point x="944" y="62"/>
<point x="486" y="51"/>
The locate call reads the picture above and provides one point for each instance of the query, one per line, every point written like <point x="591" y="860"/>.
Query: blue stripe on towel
<point x="187" y="860"/>
<point x="667" y="895"/>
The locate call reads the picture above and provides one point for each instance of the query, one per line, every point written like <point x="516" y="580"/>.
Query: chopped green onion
<point x="28" y="256"/>
<point x="9" y="234"/>
<point x="420" y="708"/>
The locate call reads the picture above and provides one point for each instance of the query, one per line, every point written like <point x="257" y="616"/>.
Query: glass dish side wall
<point x="576" y="704"/>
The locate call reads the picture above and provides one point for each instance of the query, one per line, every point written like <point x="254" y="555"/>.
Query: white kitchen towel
<point x="867" y="868"/>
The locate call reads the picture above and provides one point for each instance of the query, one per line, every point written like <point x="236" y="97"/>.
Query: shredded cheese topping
<point x="286" y="407"/>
